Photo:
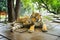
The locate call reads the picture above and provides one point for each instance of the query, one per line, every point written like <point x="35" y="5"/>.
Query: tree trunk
<point x="11" y="14"/>
<point x="17" y="7"/>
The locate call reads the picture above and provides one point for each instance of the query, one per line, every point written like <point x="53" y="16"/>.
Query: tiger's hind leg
<point x="15" y="26"/>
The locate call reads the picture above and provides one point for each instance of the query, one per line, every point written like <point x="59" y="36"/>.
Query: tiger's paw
<point x="44" y="28"/>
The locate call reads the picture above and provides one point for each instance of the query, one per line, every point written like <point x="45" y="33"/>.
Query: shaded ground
<point x="52" y="34"/>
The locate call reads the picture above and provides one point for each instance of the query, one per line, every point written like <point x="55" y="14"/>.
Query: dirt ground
<point x="52" y="34"/>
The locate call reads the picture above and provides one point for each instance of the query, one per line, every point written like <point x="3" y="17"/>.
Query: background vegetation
<point x="19" y="7"/>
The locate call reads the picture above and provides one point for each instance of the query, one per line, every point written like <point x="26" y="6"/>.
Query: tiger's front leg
<point x="44" y="28"/>
<point x="31" y="29"/>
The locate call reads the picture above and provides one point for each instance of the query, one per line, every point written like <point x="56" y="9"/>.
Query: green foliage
<point x="55" y="5"/>
<point x="3" y="5"/>
<point x="47" y="17"/>
<point x="26" y="3"/>
<point x="50" y="5"/>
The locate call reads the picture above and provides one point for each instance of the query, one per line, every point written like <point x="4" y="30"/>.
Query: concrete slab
<point x="36" y="35"/>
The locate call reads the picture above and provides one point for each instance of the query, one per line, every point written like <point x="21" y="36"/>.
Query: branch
<point x="46" y="7"/>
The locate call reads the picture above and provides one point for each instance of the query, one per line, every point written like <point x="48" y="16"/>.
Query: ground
<point x="52" y="34"/>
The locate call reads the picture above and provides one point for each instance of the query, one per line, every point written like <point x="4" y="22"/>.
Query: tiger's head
<point x="35" y="17"/>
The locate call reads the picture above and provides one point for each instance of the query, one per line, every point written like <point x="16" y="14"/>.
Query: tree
<point x="13" y="12"/>
<point x="17" y="7"/>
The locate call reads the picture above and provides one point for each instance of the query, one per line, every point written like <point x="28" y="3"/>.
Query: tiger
<point x="32" y="22"/>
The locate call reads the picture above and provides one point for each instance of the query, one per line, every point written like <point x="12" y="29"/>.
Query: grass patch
<point x="47" y="17"/>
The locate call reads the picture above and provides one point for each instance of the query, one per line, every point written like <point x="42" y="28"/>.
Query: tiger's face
<point x="35" y="17"/>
